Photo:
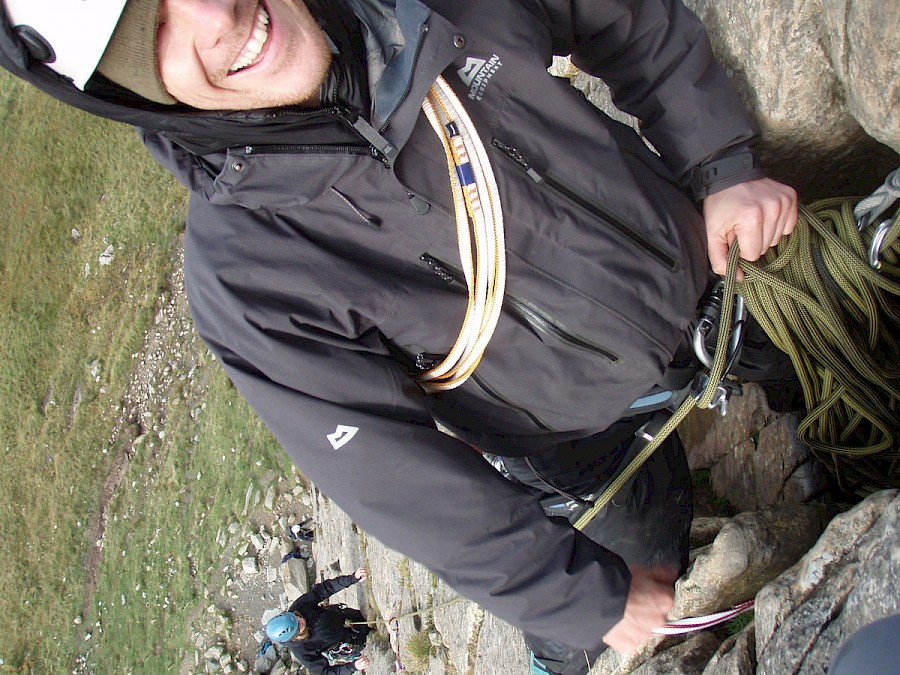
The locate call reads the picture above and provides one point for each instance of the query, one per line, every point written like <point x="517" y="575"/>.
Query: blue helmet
<point x="283" y="627"/>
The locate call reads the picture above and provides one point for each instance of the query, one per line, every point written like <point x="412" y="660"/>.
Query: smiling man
<point x="399" y="219"/>
<point x="221" y="56"/>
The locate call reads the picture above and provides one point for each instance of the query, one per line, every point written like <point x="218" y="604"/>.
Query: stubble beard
<point x="309" y="84"/>
<point x="307" y="91"/>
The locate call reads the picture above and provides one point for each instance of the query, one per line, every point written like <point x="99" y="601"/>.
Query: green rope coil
<point x="820" y="301"/>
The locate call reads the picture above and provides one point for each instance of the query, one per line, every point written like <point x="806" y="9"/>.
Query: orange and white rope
<point x="479" y="225"/>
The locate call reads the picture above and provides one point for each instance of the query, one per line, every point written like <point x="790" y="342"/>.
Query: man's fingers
<point x="788" y="212"/>
<point x="718" y="258"/>
<point x="718" y="255"/>
<point x="650" y="599"/>
<point x="791" y="211"/>
<point x="750" y="230"/>
<point x="758" y="214"/>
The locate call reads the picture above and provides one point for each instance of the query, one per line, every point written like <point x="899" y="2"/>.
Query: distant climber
<point x="326" y="639"/>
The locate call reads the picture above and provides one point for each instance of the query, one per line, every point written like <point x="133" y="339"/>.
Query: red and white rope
<point x="695" y="623"/>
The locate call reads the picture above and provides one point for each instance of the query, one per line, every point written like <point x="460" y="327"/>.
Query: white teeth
<point x="254" y="45"/>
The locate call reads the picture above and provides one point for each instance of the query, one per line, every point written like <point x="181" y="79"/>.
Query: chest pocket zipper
<point x="524" y="311"/>
<point x="614" y="222"/>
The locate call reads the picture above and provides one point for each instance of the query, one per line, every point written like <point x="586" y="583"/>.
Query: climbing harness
<point x="708" y="394"/>
<point x="341" y="653"/>
<point x="479" y="224"/>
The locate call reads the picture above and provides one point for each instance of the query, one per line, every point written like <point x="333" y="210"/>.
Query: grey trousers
<point x="647" y="522"/>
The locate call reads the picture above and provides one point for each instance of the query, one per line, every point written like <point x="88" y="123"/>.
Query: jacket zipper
<point x="425" y="361"/>
<point x="378" y="146"/>
<point x="306" y="149"/>
<point x="385" y="150"/>
<point x="523" y="310"/>
<point x="422" y="29"/>
<point x="615" y="222"/>
<point x="509" y="404"/>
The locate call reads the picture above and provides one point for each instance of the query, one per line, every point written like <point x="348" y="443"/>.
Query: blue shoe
<point x="538" y="668"/>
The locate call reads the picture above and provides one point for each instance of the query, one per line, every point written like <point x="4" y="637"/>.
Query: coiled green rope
<point x="837" y="318"/>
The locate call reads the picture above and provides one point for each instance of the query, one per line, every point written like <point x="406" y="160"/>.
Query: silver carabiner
<point x="877" y="242"/>
<point x="709" y="317"/>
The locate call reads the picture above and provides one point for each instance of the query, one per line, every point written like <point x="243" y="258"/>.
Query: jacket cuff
<point x="725" y="172"/>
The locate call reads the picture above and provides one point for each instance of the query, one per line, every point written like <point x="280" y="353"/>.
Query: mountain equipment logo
<point x="341" y="436"/>
<point x="468" y="72"/>
<point x="477" y="73"/>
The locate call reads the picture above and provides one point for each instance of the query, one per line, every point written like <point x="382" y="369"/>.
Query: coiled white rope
<point x="479" y="224"/>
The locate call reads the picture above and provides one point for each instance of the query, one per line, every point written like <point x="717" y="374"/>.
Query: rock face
<point x="850" y="578"/>
<point x="753" y="454"/>
<point x="870" y="79"/>
<point x="686" y="658"/>
<point x="749" y="551"/>
<point x="804" y="69"/>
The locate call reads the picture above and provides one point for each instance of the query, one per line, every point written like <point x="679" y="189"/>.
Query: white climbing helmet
<point x="75" y="33"/>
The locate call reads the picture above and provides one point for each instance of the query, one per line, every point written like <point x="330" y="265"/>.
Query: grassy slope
<point x="68" y="339"/>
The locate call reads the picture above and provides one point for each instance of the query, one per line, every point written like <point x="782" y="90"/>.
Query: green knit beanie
<point x="130" y="58"/>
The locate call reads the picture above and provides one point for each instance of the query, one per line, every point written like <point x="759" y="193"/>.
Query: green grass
<point x="69" y="333"/>
<point x="59" y="172"/>
<point x="161" y="549"/>
<point x="418" y="652"/>
<point x="739" y="623"/>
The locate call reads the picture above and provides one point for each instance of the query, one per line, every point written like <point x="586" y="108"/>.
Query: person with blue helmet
<point x="326" y="639"/>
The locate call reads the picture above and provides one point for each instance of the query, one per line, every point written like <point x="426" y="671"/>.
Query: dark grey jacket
<point x="320" y="269"/>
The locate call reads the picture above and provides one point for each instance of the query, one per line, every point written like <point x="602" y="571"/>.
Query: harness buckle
<point x="724" y="391"/>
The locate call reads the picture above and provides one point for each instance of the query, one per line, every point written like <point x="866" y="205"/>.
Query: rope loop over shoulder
<point x="479" y="224"/>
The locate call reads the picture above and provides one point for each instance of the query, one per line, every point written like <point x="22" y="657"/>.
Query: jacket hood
<point x="199" y="131"/>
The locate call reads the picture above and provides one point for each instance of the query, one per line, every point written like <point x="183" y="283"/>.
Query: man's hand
<point x="757" y="214"/>
<point x="650" y="598"/>
<point x="362" y="663"/>
<point x="361" y="574"/>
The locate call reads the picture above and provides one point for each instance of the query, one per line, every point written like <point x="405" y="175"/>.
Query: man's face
<point x="240" y="54"/>
<point x="302" y="628"/>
